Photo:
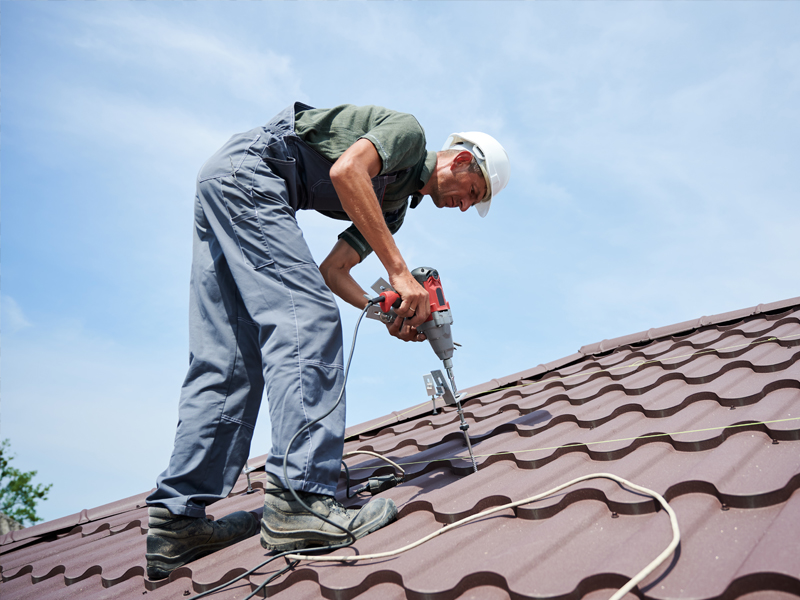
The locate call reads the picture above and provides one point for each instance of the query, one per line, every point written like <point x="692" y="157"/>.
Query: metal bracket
<point x="374" y="312"/>
<point x="246" y="471"/>
<point x="381" y="285"/>
<point x="430" y="388"/>
<point x="443" y="387"/>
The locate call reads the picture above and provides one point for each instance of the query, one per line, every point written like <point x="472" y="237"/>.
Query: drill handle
<point x="388" y="300"/>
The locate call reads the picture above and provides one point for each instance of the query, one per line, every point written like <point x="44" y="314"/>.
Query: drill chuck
<point x="439" y="334"/>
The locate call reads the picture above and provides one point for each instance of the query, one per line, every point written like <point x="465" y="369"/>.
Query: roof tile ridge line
<point x="619" y="411"/>
<point x="73" y="521"/>
<point x="586" y="444"/>
<point x="641" y="506"/>
<point x="756" y="582"/>
<point x="637" y="364"/>
<point x="387" y="576"/>
<point x="420" y="422"/>
<point x="614" y="343"/>
<point x="394" y="419"/>
<point x="386" y="426"/>
<point x="625" y="409"/>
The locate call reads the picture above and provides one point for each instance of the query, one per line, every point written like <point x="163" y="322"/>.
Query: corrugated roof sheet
<point x="707" y="413"/>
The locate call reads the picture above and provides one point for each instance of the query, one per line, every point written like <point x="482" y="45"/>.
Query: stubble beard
<point x="434" y="193"/>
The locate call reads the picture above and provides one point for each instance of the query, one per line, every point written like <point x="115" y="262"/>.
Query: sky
<point x="651" y="148"/>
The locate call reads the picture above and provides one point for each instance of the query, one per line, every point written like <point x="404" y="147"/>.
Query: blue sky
<point x="654" y="180"/>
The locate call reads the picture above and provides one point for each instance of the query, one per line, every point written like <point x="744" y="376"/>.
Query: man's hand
<point x="416" y="304"/>
<point x="401" y="329"/>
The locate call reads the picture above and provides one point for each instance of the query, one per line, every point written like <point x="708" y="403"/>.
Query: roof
<point x="706" y="413"/>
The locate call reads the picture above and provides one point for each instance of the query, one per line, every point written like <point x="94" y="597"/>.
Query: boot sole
<point x="160" y="566"/>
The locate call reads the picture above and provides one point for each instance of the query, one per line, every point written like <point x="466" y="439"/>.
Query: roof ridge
<point x="609" y="345"/>
<point x="69" y="522"/>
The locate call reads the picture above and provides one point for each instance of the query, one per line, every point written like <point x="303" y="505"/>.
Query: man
<point x="262" y="315"/>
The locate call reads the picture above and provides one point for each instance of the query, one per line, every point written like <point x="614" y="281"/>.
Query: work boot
<point x="174" y="540"/>
<point x="286" y="525"/>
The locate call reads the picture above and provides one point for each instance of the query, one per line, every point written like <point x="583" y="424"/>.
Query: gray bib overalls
<point x="260" y="319"/>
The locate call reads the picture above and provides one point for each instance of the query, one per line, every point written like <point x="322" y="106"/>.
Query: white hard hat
<point x="491" y="158"/>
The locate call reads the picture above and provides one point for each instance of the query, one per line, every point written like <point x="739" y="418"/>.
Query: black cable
<point x="374" y="485"/>
<point x="290" y="565"/>
<point x="347" y="481"/>
<point x="243" y="575"/>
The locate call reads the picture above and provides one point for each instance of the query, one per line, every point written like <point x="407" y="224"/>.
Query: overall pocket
<point x="271" y="169"/>
<point x="246" y="226"/>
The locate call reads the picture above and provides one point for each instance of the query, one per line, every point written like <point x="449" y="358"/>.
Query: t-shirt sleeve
<point x="394" y="219"/>
<point x="399" y="140"/>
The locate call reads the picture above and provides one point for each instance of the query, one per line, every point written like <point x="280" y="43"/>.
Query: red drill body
<point x="437" y="327"/>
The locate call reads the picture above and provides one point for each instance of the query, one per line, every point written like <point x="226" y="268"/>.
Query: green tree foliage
<point x="18" y="496"/>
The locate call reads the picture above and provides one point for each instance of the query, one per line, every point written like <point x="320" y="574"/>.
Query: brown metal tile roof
<point x="706" y="412"/>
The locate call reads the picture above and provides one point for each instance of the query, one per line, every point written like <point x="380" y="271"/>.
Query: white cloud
<point x="178" y="50"/>
<point x="155" y="89"/>
<point x="13" y="319"/>
<point x="163" y="143"/>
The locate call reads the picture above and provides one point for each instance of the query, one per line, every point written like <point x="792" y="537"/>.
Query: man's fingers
<point x="411" y="334"/>
<point x="401" y="329"/>
<point x="415" y="305"/>
<point x="407" y="310"/>
<point x="406" y="332"/>
<point x="415" y="315"/>
<point x="394" y="326"/>
<point x="418" y="319"/>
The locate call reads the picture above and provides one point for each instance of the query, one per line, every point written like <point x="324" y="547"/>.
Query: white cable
<point x="375" y="454"/>
<point x="676" y="535"/>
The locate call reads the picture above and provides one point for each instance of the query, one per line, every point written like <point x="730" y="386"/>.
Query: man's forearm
<point x="359" y="202"/>
<point x="335" y="270"/>
<point x="351" y="176"/>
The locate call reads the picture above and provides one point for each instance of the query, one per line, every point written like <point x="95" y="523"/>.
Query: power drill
<point x="437" y="327"/>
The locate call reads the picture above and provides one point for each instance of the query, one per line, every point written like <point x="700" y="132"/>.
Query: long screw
<point x="464" y="426"/>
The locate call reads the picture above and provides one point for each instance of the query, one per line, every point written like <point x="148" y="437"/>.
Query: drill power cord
<point x="676" y="536"/>
<point x="376" y="484"/>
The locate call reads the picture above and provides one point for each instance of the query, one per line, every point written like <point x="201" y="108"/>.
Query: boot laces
<point x="334" y="506"/>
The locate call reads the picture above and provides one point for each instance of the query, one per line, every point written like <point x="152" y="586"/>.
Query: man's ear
<point x="462" y="158"/>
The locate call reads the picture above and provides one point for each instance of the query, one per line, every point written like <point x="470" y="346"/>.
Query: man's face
<point x="456" y="187"/>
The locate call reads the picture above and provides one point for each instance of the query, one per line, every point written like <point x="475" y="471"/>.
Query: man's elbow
<point x="326" y="269"/>
<point x="341" y="172"/>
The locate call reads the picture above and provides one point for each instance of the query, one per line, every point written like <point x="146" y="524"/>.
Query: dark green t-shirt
<point x="399" y="140"/>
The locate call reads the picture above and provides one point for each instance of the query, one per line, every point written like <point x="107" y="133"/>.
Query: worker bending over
<point x="262" y="314"/>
